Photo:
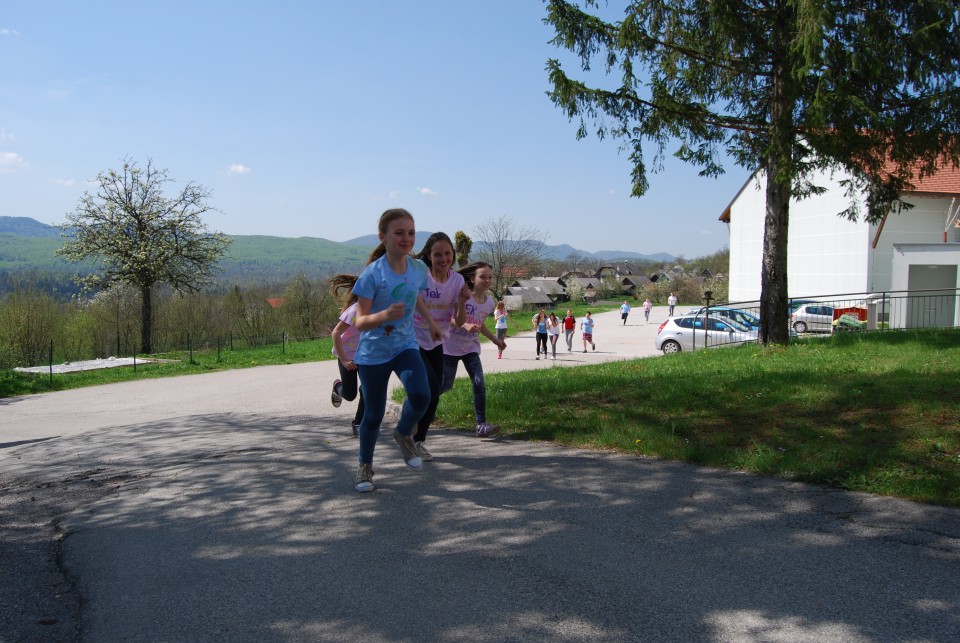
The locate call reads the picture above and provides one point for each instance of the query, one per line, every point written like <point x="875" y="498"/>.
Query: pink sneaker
<point x="486" y="430"/>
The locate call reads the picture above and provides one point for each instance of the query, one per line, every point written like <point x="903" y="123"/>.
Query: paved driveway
<point x="221" y="507"/>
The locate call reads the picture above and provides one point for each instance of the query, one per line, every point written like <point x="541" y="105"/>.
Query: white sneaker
<point x="364" y="478"/>
<point x="422" y="452"/>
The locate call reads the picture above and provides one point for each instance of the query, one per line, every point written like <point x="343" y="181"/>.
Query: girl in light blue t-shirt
<point x="388" y="291"/>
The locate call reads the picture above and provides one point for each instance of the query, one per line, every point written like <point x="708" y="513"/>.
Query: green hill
<point x="27" y="254"/>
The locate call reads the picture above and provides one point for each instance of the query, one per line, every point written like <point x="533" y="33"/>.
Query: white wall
<point x="923" y="224"/>
<point x="827" y="254"/>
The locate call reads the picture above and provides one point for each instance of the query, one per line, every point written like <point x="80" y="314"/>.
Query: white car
<point x="814" y="317"/>
<point x="694" y="332"/>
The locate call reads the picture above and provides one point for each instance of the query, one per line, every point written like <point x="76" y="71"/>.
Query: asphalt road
<point x="221" y="507"/>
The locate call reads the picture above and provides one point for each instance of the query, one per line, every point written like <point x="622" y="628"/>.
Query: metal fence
<point x="876" y="311"/>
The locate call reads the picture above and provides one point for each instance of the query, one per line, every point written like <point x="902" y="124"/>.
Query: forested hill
<point x="27" y="256"/>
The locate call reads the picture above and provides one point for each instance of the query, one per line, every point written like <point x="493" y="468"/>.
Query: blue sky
<point x="311" y="118"/>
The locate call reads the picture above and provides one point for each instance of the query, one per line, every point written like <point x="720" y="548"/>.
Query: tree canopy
<point x="142" y="237"/>
<point x="787" y="87"/>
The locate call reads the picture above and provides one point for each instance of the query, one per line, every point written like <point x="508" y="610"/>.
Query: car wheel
<point x="800" y="327"/>
<point x="670" y="347"/>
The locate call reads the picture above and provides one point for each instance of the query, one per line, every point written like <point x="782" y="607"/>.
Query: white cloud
<point x="238" y="168"/>
<point x="427" y="192"/>
<point x="8" y="32"/>
<point x="65" y="183"/>
<point x="706" y="233"/>
<point x="5" y="135"/>
<point x="393" y="194"/>
<point x="11" y="162"/>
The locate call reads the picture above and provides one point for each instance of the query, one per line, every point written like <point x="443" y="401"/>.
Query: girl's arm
<point x="366" y="320"/>
<point x="489" y="335"/>
<point x="460" y="314"/>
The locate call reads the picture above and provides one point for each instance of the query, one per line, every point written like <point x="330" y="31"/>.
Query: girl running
<point x="445" y="297"/>
<point x="463" y="345"/>
<point x="500" y="315"/>
<point x="346" y="337"/>
<point x="387" y="292"/>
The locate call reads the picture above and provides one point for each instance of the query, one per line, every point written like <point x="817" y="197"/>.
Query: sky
<point x="309" y="119"/>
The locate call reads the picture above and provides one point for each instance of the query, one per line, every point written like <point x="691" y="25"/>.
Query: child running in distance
<point x="445" y="297"/>
<point x="587" y="326"/>
<point x="346" y="337"/>
<point x="388" y="291"/>
<point x="500" y="316"/>
<point x="463" y="345"/>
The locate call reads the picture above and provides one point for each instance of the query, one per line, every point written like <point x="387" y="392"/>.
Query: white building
<point x="830" y="255"/>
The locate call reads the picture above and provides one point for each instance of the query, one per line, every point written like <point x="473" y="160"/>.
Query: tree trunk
<point x="146" y="318"/>
<point x="774" y="323"/>
<point x="774" y="327"/>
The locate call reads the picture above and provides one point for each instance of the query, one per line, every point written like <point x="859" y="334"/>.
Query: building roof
<point x="530" y="295"/>
<point x="945" y="182"/>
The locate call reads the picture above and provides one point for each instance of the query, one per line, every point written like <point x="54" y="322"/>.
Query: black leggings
<point x="433" y="361"/>
<point x="541" y="340"/>
<point x="350" y="389"/>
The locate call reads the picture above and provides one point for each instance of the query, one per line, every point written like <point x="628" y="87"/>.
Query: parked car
<point x="743" y="317"/>
<point x="793" y="304"/>
<point x="694" y="332"/>
<point x="814" y="317"/>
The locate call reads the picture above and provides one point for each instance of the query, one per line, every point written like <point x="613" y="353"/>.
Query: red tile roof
<point x="945" y="181"/>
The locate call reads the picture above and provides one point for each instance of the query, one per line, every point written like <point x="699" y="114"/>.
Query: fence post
<point x="51" y="361"/>
<point x="190" y="347"/>
<point x="218" y="348"/>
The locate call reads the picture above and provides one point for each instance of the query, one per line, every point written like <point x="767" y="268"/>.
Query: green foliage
<point x="463" y="246"/>
<point x="790" y="88"/>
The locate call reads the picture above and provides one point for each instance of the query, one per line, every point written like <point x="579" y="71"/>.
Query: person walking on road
<point x="553" y="332"/>
<point x="647" y="307"/>
<point x="500" y="316"/>
<point x="388" y="291"/>
<point x="539" y="322"/>
<point x="569" y="328"/>
<point x="624" y="311"/>
<point x="672" y="302"/>
<point x="587" y="326"/>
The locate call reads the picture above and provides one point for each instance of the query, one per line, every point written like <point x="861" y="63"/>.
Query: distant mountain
<point x="560" y="252"/>
<point x="27" y="227"/>
<point x="27" y="247"/>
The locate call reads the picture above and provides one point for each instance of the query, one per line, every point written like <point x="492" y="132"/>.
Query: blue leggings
<point x="409" y="367"/>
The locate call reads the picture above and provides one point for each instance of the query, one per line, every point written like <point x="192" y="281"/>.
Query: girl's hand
<point x="464" y="294"/>
<point x="394" y="311"/>
<point x="350" y="365"/>
<point x="471" y="328"/>
<point x="500" y="344"/>
<point x="435" y="331"/>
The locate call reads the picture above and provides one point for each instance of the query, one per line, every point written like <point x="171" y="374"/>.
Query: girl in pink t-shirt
<point x="463" y="345"/>
<point x="445" y="297"/>
<point x="346" y="338"/>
